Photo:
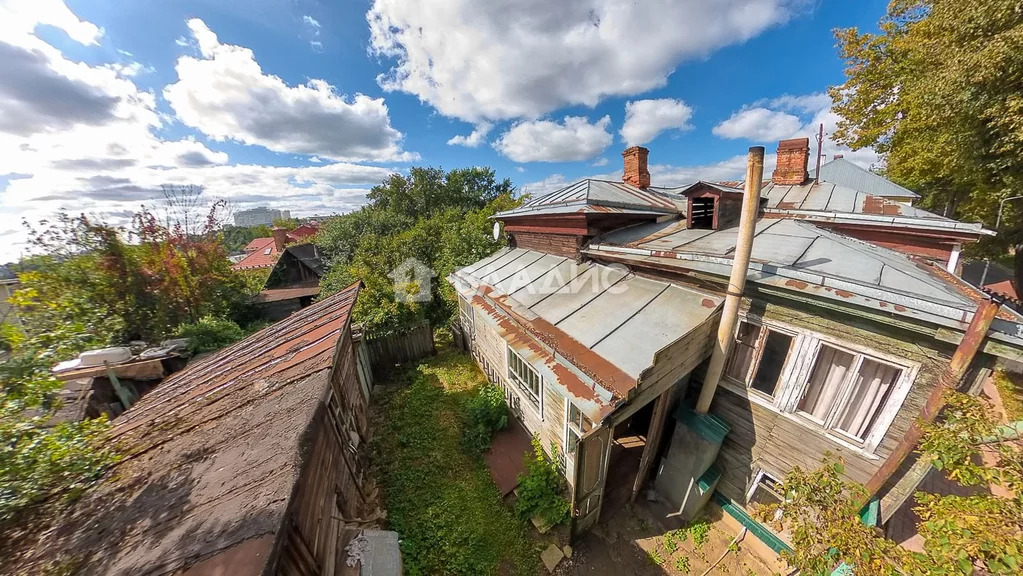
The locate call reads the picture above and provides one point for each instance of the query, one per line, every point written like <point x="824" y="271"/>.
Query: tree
<point x="938" y="92"/>
<point x="441" y="219"/>
<point x="961" y="534"/>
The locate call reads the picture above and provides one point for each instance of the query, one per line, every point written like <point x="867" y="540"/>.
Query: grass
<point x="440" y="499"/>
<point x="1010" y="388"/>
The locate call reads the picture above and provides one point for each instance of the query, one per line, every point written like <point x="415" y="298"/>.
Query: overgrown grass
<point x="1010" y="388"/>
<point x="441" y="499"/>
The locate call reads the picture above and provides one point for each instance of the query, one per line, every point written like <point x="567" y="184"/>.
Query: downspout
<point x="737" y="281"/>
<point x="949" y="380"/>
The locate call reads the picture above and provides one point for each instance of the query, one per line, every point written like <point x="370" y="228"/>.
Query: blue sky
<point x="304" y="105"/>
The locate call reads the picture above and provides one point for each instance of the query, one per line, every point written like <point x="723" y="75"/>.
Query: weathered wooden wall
<point x="557" y="244"/>
<point x="331" y="488"/>
<point x="761" y="438"/>
<point x="412" y="344"/>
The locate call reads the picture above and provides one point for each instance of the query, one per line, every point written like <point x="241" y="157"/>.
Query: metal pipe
<point x="998" y="224"/>
<point x="953" y="374"/>
<point x="737" y="281"/>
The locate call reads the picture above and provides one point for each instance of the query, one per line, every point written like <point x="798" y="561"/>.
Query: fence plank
<point x="413" y="344"/>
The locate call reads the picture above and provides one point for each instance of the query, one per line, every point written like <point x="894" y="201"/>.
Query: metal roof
<point x="213" y="456"/>
<point x="845" y="173"/>
<point x="827" y="201"/>
<point x="623" y="318"/>
<point x="583" y="195"/>
<point x="797" y="255"/>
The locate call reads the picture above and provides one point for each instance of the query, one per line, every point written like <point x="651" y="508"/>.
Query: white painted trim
<point x="953" y="259"/>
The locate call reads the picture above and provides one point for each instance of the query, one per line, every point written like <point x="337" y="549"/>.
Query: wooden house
<point x="599" y="318"/>
<point x="293" y="282"/>
<point x="248" y="462"/>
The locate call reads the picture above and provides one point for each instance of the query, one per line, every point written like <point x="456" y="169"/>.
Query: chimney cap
<point x="635" y="150"/>
<point x="794" y="144"/>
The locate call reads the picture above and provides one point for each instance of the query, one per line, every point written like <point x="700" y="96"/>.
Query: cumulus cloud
<point x="758" y="125"/>
<point x="227" y="96"/>
<point x="474" y="139"/>
<point x="464" y="59"/>
<point x="548" y="141"/>
<point x="645" y="119"/>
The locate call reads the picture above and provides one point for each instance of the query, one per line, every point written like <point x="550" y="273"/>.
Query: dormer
<point x="712" y="206"/>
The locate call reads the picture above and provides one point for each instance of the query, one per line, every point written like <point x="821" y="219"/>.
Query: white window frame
<point x="796" y="377"/>
<point x="521" y="386"/>
<point x="466" y="312"/>
<point x="758" y="351"/>
<point x="572" y="428"/>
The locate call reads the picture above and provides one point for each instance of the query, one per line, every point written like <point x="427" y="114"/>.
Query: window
<point x="576" y="426"/>
<point x="847" y="392"/>
<point x="765" y="490"/>
<point x="702" y="213"/>
<point x="758" y="357"/>
<point x="524" y="377"/>
<point x="465" y="314"/>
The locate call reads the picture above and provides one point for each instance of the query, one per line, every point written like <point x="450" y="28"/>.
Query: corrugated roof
<point x="845" y="173"/>
<point x="623" y="318"/>
<point x="831" y="202"/>
<point x="586" y="194"/>
<point x="213" y="457"/>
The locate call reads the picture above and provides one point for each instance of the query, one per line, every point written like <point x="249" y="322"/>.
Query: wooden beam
<point x="653" y="440"/>
<point x="990" y="346"/>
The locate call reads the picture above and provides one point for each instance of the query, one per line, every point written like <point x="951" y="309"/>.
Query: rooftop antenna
<point x="820" y="142"/>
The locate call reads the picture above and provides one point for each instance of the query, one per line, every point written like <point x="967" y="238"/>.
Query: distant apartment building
<point x="261" y="215"/>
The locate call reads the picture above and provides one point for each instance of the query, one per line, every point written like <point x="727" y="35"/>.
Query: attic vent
<point x="702" y="213"/>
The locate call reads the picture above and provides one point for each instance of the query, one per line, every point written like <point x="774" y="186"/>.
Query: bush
<point x="210" y="333"/>
<point x="540" y="488"/>
<point x="487" y="414"/>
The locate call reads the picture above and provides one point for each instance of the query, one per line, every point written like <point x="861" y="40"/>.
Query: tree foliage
<point x="441" y="219"/>
<point x="963" y="535"/>
<point x="938" y="92"/>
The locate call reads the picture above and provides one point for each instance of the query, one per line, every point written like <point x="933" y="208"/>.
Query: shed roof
<point x="213" y="457"/>
<point x="623" y="318"/>
<point x="845" y="173"/>
<point x="585" y="195"/>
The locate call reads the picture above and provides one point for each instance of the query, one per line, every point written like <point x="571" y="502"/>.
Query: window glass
<point x="829" y="374"/>
<point x="524" y="377"/>
<point x="742" y="351"/>
<point x="772" y="360"/>
<point x="871" y="388"/>
<point x="758" y="357"/>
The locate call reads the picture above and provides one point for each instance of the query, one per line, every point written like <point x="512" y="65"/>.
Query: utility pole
<point x="820" y="150"/>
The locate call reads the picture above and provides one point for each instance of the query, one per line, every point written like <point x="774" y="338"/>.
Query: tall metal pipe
<point x="737" y="281"/>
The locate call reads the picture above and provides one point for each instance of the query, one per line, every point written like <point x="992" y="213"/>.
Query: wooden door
<point x="590" y="474"/>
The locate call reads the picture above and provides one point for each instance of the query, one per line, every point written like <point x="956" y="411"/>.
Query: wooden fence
<point x="411" y="344"/>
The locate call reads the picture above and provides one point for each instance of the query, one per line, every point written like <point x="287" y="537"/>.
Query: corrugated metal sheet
<point x="845" y="173"/>
<point x="213" y="456"/>
<point x="596" y="196"/>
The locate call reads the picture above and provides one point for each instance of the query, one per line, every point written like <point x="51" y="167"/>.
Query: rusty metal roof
<point x="592" y="313"/>
<point x="590" y="195"/>
<point x="831" y="202"/>
<point x="213" y="457"/>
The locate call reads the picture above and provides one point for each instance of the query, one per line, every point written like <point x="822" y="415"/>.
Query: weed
<point x="487" y="414"/>
<point x="700" y="531"/>
<point x="682" y="564"/>
<point x="655" y="557"/>
<point x="671" y="542"/>
<point x="540" y="488"/>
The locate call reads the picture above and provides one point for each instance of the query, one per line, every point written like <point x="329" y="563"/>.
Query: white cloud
<point x="226" y="95"/>
<point x="475" y="138"/>
<point x="182" y="41"/>
<point x="20" y="17"/>
<point x="758" y="125"/>
<point x="311" y="21"/>
<point x="548" y="141"/>
<point x="645" y="119"/>
<point x="500" y="60"/>
<point x="599" y="162"/>
<point x="808" y="103"/>
<point x="84" y="138"/>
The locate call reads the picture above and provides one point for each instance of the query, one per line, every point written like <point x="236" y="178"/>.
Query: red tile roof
<point x="212" y="458"/>
<point x="304" y="231"/>
<point x="265" y="257"/>
<point x="258" y="244"/>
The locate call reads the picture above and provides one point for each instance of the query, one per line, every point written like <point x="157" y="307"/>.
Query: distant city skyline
<point x="260" y="215"/>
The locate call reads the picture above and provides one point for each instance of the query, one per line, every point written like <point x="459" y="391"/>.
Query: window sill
<point x="760" y="400"/>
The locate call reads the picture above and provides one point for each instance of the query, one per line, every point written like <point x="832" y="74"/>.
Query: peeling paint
<point x="797" y="284"/>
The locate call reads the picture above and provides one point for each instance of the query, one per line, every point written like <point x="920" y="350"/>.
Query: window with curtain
<point x="525" y="378"/>
<point x="758" y="357"/>
<point x="846" y="392"/>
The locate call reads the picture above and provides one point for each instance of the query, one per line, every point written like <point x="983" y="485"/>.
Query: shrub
<point x="540" y="488"/>
<point x="487" y="414"/>
<point x="210" y="333"/>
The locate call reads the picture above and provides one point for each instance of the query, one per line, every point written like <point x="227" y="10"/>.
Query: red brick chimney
<point x="792" y="158"/>
<point x="280" y="238"/>
<point x="636" y="172"/>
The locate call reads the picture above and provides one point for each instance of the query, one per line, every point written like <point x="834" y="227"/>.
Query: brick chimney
<point x="636" y="172"/>
<point x="792" y="158"/>
<point x="280" y="238"/>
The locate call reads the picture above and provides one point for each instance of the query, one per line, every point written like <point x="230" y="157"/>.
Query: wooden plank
<point x="653" y="441"/>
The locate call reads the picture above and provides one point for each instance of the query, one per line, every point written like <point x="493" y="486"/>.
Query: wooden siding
<point x="330" y="490"/>
<point x="557" y="244"/>
<point x="411" y="344"/>
<point x="762" y="438"/>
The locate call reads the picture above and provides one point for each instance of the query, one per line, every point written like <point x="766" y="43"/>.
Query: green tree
<point x="441" y="219"/>
<point x="236" y="238"/>
<point x="961" y="534"/>
<point x="938" y="92"/>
